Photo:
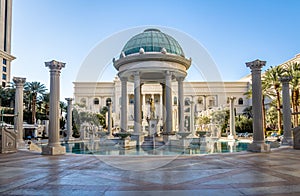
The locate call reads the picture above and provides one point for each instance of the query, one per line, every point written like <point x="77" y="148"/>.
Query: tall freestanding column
<point x="124" y="104"/>
<point x="258" y="144"/>
<point x="180" y="104"/>
<point x="54" y="147"/>
<point x="109" y="116"/>
<point x="69" y="120"/>
<point x="286" y="111"/>
<point x="168" y="89"/>
<point x="18" y="126"/>
<point x="232" y="134"/>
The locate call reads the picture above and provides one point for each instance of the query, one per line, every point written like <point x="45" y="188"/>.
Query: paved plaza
<point x="244" y="173"/>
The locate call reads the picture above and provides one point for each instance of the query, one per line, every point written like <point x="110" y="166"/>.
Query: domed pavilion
<point x="147" y="58"/>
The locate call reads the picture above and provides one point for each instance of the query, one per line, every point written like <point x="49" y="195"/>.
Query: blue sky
<point x="232" y="31"/>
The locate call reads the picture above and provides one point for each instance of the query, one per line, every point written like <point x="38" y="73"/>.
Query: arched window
<point x="131" y="99"/>
<point x="175" y="100"/>
<point x="96" y="101"/>
<point x="241" y="101"/>
<point x="187" y="101"/>
<point x="200" y="100"/>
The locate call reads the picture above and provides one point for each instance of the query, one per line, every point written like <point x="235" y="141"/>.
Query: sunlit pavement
<point x="244" y="173"/>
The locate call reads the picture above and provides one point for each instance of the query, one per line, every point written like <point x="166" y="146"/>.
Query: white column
<point x="69" y="119"/>
<point x="18" y="125"/>
<point x="124" y="104"/>
<point x="232" y="118"/>
<point x="180" y="103"/>
<point x="204" y="102"/>
<point x="144" y="104"/>
<point x="137" y="104"/>
<point x="164" y="107"/>
<point x="168" y="89"/>
<point x="161" y="105"/>
<point x="109" y="116"/>
<point x="258" y="144"/>
<point x="286" y="111"/>
<point x="54" y="147"/>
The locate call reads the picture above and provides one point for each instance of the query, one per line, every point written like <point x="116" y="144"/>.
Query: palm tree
<point x="271" y="78"/>
<point x="34" y="89"/>
<point x="293" y="69"/>
<point x="43" y="105"/>
<point x="63" y="107"/>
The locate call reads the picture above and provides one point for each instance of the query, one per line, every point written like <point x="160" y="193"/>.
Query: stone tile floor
<point x="29" y="173"/>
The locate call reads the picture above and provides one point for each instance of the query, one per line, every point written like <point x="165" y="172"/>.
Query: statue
<point x="152" y="109"/>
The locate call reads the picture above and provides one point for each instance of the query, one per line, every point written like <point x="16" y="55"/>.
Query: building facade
<point x="204" y="97"/>
<point x="5" y="41"/>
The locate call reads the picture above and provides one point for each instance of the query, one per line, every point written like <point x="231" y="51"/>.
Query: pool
<point x="94" y="147"/>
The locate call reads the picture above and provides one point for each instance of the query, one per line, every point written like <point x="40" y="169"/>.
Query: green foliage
<point x="203" y="120"/>
<point x="220" y="118"/>
<point x="243" y="124"/>
<point x="272" y="118"/>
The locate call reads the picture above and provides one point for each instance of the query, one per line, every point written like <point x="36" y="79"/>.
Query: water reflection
<point x="208" y="147"/>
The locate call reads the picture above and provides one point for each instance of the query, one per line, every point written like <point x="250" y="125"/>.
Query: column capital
<point x="285" y="79"/>
<point x="19" y="81"/>
<point x="123" y="79"/>
<point x="55" y="65"/>
<point x="136" y="74"/>
<point x="168" y="73"/>
<point x="232" y="98"/>
<point x="256" y="65"/>
<point x="180" y="79"/>
<point x="69" y="99"/>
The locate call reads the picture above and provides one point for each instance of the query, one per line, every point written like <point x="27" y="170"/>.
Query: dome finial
<point x="142" y="51"/>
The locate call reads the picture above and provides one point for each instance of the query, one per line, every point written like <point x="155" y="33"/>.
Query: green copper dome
<point x="152" y="40"/>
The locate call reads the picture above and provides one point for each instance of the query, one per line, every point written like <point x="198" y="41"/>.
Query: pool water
<point x="209" y="148"/>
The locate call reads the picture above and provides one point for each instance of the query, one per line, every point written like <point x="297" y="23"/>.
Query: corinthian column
<point x="180" y="105"/>
<point x="54" y="147"/>
<point x="124" y="104"/>
<point x="137" y="103"/>
<point x="69" y="120"/>
<point x="232" y="134"/>
<point x="258" y="144"/>
<point x="286" y="111"/>
<point x="168" y="89"/>
<point x="18" y="125"/>
<point x="137" y="135"/>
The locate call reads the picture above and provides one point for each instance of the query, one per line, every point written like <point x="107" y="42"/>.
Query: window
<point x="131" y="99"/>
<point x="4" y="61"/>
<point x="96" y="101"/>
<point x="211" y="103"/>
<point x="175" y="100"/>
<point x="3" y="84"/>
<point x="83" y="101"/>
<point x="3" y="76"/>
<point x="187" y="101"/>
<point x="4" y="69"/>
<point x="241" y="101"/>
<point x="200" y="100"/>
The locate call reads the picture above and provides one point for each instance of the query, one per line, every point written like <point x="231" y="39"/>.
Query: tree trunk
<point x="264" y="114"/>
<point x="33" y="119"/>
<point x="295" y="106"/>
